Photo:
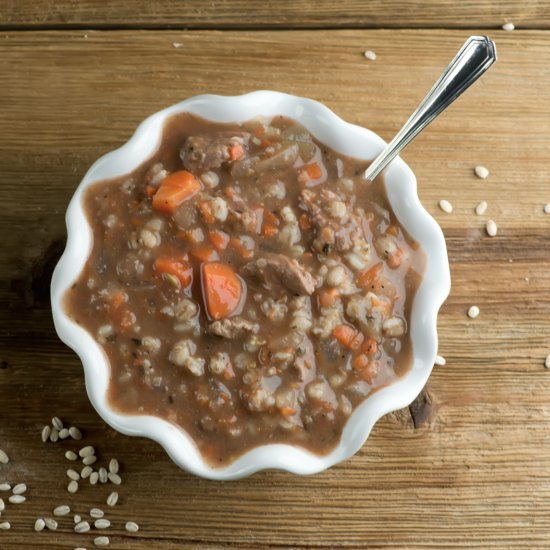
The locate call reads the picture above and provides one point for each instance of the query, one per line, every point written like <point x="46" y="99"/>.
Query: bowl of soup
<point x="237" y="291"/>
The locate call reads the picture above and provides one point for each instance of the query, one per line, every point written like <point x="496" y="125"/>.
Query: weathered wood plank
<point x="475" y="475"/>
<point x="261" y="14"/>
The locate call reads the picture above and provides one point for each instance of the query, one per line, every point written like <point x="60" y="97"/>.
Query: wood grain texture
<point x="477" y="473"/>
<point x="214" y="14"/>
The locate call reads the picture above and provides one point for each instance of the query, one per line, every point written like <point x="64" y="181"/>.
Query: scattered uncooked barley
<point x="94" y="478"/>
<point x="114" y="478"/>
<point x="71" y="455"/>
<point x="72" y="474"/>
<point x="440" y="360"/>
<point x="88" y="460"/>
<point x="113" y="466"/>
<point x="5" y="525"/>
<point x="82" y="527"/>
<point x="46" y="430"/>
<point x="64" y="433"/>
<point x="446" y="206"/>
<point x="17" y="499"/>
<point x="86" y="471"/>
<point x="491" y="228"/>
<point x="62" y="510"/>
<point x="3" y="457"/>
<point x="103" y="476"/>
<point x="19" y="489"/>
<point x="547" y="362"/>
<point x="370" y="55"/>
<point x="2" y="505"/>
<point x="80" y="548"/>
<point x="101" y="541"/>
<point x="73" y="486"/>
<point x="177" y="45"/>
<point x="96" y="513"/>
<point x="473" y="312"/>
<point x="112" y="499"/>
<point x="481" y="172"/>
<point x="57" y="423"/>
<point x="508" y="27"/>
<point x="481" y="208"/>
<point x="5" y="487"/>
<point x="86" y="451"/>
<point x="39" y="524"/>
<point x="51" y="524"/>
<point x="132" y="527"/>
<point x="54" y="435"/>
<point x="75" y="433"/>
<point x="547" y="208"/>
<point x="102" y="523"/>
<point x="77" y="519"/>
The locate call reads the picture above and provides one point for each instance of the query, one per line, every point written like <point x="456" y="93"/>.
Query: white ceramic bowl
<point x="341" y="136"/>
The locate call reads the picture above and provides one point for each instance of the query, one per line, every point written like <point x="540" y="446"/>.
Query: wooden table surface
<point x="469" y="466"/>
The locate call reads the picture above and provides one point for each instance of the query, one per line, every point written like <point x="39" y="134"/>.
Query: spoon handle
<point x="473" y="59"/>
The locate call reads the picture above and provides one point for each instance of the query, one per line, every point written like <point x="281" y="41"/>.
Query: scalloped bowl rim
<point x="344" y="137"/>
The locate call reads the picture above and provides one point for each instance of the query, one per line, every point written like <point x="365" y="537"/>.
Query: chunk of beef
<point x="234" y="327"/>
<point x="277" y="269"/>
<point x="202" y="153"/>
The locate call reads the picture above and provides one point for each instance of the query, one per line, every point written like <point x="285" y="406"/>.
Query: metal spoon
<point x="473" y="59"/>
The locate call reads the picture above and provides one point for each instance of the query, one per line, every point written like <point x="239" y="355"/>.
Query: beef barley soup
<point x="247" y="285"/>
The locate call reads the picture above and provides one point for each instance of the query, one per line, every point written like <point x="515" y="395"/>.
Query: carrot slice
<point x="219" y="238"/>
<point x="304" y="221"/>
<point x="367" y="279"/>
<point x="204" y="253"/>
<point x="179" y="268"/>
<point x="328" y="297"/>
<point x="360" y="362"/>
<point x="344" y="334"/>
<point x="175" y="189"/>
<point x="240" y="247"/>
<point x="236" y="151"/>
<point x="222" y="289"/>
<point x="370" y="346"/>
<point x="287" y="411"/>
<point x="309" y="172"/>
<point x="206" y="210"/>
<point x="269" y="230"/>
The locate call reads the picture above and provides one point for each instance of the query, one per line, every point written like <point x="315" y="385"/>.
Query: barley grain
<point x="101" y="541"/>
<point x="508" y="27"/>
<point x="39" y="525"/>
<point x="481" y="208"/>
<point x="88" y="460"/>
<point x="75" y="433"/>
<point x="73" y="486"/>
<point x="57" y="423"/>
<point x="446" y="206"/>
<point x="102" y="523"/>
<point x="17" y="499"/>
<point x="62" y="510"/>
<point x="481" y="172"/>
<point x="82" y="527"/>
<point x="132" y="527"/>
<point x="491" y="228"/>
<point x="5" y="487"/>
<point x="2" y="505"/>
<point x="96" y="513"/>
<point x="440" y="360"/>
<point x="547" y="362"/>
<point x="103" y="476"/>
<point x="51" y="524"/>
<point x="72" y="474"/>
<point x="86" y="451"/>
<point x="113" y="466"/>
<point x="86" y="471"/>
<point x="473" y="312"/>
<point x="114" y="478"/>
<point x="5" y="525"/>
<point x="71" y="455"/>
<point x="19" y="489"/>
<point x="46" y="430"/>
<point x="112" y="499"/>
<point x="94" y="478"/>
<point x="3" y="457"/>
<point x="64" y="433"/>
<point x="54" y="435"/>
<point x="77" y="519"/>
<point x="370" y="55"/>
<point x="547" y="208"/>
